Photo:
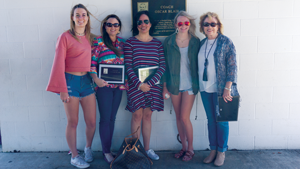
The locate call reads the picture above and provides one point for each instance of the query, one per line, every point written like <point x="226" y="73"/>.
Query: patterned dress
<point x="140" y="54"/>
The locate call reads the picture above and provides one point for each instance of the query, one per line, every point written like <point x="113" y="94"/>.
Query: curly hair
<point x="137" y="17"/>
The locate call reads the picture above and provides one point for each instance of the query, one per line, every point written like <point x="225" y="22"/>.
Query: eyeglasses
<point x="187" y="23"/>
<point x="206" y="24"/>
<point x="112" y="24"/>
<point x="139" y="22"/>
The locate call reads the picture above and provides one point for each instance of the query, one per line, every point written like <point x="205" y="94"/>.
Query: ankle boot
<point x="220" y="159"/>
<point x="210" y="157"/>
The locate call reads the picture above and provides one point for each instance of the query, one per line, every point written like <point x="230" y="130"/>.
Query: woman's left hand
<point x="226" y="95"/>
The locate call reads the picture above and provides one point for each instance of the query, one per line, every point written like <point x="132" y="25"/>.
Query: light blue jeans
<point x="217" y="131"/>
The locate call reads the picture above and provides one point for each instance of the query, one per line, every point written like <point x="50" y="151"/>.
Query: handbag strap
<point x="134" y="132"/>
<point x="131" y="135"/>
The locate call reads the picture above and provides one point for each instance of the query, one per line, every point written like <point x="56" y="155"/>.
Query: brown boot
<point x="210" y="157"/>
<point x="220" y="159"/>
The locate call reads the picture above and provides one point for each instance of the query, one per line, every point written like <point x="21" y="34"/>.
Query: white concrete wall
<point x="267" y="38"/>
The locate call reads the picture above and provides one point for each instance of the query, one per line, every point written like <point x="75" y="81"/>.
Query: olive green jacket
<point x="172" y="58"/>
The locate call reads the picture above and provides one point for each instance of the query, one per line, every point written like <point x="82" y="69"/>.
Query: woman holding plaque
<point x="144" y="97"/>
<point x="181" y="78"/>
<point x="217" y="77"/>
<point x="70" y="79"/>
<point x="108" y="49"/>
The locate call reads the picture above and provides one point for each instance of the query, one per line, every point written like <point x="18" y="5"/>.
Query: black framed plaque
<point x="162" y="11"/>
<point x="145" y="74"/>
<point x="112" y="74"/>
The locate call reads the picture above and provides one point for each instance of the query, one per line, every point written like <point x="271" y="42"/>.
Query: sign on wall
<point x="162" y="11"/>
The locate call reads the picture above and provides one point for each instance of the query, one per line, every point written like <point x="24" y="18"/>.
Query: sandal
<point x="188" y="156"/>
<point x="179" y="154"/>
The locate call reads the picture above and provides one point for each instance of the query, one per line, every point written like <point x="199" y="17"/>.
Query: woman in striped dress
<point x="143" y="98"/>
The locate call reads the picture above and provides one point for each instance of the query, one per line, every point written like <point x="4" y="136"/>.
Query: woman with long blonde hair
<point x="70" y="79"/>
<point x="181" y="78"/>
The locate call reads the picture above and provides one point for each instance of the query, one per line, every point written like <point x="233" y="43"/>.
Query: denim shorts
<point x="190" y="91"/>
<point x="79" y="86"/>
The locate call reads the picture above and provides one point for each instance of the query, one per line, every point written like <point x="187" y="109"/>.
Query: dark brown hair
<point x="106" y="39"/>
<point x="137" y="17"/>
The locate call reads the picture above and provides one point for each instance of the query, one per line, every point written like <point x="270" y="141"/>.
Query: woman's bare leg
<point x="136" y="120"/>
<point x="176" y="101"/>
<point x="187" y="102"/>
<point x="146" y="130"/>
<point x="72" y="108"/>
<point x="88" y="105"/>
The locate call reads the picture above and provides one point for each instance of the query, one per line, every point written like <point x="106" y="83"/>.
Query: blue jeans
<point x="79" y="86"/>
<point x="217" y="131"/>
<point x="109" y="100"/>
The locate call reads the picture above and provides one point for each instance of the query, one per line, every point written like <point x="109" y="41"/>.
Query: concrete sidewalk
<point x="234" y="159"/>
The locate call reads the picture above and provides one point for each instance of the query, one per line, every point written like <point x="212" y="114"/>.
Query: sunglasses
<point x="206" y="24"/>
<point x="112" y="24"/>
<point x="139" y="22"/>
<point x="187" y="23"/>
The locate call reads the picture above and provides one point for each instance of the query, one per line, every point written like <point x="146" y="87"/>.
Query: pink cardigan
<point x="70" y="56"/>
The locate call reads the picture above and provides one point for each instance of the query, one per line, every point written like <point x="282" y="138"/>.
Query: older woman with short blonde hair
<point x="217" y="77"/>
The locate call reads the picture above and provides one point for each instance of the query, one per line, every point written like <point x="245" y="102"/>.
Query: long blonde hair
<point x="210" y="15"/>
<point x="192" y="21"/>
<point x="87" y="26"/>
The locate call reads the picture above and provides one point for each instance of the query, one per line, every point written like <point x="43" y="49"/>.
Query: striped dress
<point x="140" y="54"/>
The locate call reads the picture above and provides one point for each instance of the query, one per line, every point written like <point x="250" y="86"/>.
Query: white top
<point x="185" y="71"/>
<point x="209" y="86"/>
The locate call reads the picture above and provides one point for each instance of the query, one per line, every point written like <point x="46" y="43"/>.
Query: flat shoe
<point x="220" y="159"/>
<point x="105" y="159"/>
<point x="210" y="158"/>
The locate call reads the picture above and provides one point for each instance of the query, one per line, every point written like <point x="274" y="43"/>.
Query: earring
<point x="176" y="31"/>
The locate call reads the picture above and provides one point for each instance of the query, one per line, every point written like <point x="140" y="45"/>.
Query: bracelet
<point x="227" y="89"/>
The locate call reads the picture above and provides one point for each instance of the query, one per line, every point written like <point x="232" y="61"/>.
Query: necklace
<point x="206" y="61"/>
<point x="79" y="34"/>
<point x="182" y="40"/>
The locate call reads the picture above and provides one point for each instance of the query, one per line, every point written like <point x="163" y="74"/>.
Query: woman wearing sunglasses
<point x="217" y="77"/>
<point x="108" y="49"/>
<point x="70" y="79"/>
<point x="142" y="50"/>
<point x="181" y="78"/>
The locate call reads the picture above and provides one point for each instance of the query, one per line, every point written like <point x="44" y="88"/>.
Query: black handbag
<point x="228" y="111"/>
<point x="131" y="155"/>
